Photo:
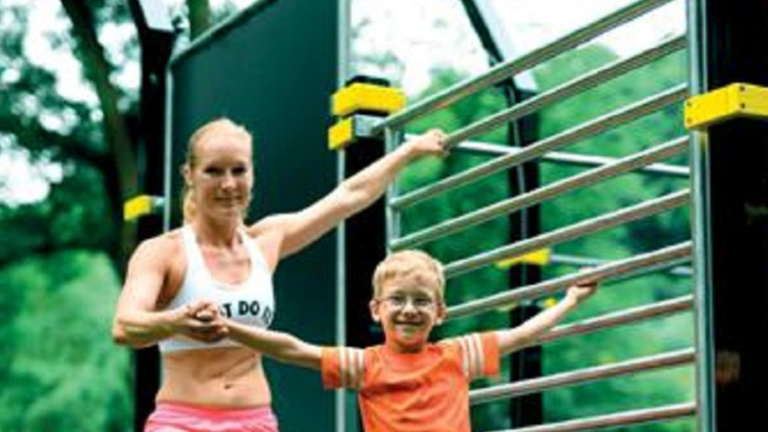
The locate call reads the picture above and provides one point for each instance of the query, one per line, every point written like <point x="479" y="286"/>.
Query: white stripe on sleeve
<point x="351" y="367"/>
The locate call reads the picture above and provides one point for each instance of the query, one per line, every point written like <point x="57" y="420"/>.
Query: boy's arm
<point x="529" y="332"/>
<point x="278" y="345"/>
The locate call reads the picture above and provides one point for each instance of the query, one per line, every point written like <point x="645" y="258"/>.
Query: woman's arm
<point x="528" y="333"/>
<point x="136" y="322"/>
<point x="278" y="345"/>
<point x="297" y="230"/>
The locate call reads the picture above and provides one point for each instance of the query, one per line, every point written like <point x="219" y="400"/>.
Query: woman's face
<point x="222" y="177"/>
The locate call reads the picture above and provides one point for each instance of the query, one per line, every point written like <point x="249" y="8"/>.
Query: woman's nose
<point x="228" y="181"/>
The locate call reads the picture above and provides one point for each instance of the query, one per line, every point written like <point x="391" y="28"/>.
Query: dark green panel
<point x="273" y="69"/>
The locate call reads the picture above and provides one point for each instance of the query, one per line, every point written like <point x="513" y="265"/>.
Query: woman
<point x="179" y="282"/>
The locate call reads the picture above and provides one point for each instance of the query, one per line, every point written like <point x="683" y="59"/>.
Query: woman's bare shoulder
<point x="167" y="244"/>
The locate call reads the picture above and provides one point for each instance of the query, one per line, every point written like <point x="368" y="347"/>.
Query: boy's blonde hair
<point x="407" y="263"/>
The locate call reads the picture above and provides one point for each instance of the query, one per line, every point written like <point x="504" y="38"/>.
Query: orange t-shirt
<point x="425" y="392"/>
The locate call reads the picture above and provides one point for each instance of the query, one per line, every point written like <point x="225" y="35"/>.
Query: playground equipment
<point x="258" y="70"/>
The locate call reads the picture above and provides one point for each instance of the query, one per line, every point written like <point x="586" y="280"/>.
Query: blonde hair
<point x="214" y="127"/>
<point x="408" y="263"/>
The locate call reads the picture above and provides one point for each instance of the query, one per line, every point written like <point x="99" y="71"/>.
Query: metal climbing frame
<point x="672" y="256"/>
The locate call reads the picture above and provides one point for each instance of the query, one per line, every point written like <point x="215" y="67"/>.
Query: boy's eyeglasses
<point x="399" y="302"/>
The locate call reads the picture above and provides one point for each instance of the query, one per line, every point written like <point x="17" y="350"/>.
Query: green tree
<point x="63" y="256"/>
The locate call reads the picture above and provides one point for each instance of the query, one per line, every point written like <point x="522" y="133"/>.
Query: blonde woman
<point x="180" y="284"/>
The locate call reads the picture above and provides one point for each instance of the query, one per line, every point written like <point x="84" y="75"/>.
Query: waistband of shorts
<point x="220" y="413"/>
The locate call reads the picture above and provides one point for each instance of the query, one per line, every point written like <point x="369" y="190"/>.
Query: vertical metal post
<point x="527" y="363"/>
<point x="730" y="184"/>
<point x="346" y="402"/>
<point x="156" y="37"/>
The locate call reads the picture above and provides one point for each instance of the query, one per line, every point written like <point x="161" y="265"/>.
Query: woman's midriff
<point x="219" y="377"/>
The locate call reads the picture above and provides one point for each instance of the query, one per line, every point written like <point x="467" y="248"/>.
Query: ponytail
<point x="188" y="208"/>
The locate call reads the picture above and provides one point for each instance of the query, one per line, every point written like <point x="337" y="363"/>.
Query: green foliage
<point x="60" y="369"/>
<point x="70" y="217"/>
<point x="36" y="120"/>
<point x="58" y="284"/>
<point x="58" y="366"/>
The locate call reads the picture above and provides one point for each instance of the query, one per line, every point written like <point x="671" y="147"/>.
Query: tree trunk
<point x="97" y="71"/>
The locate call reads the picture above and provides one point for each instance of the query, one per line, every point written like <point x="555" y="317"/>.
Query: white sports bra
<point x="250" y="302"/>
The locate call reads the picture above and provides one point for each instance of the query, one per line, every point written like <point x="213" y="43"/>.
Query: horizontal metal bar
<point x="539" y="148"/>
<point x="579" y="261"/>
<point x="537" y="385"/>
<point x="584" y="82"/>
<point x="659" y="267"/>
<point x="620" y="166"/>
<point x="570" y="158"/>
<point x="625" y="316"/>
<point x="602" y="273"/>
<point x="605" y="221"/>
<point x="525" y="62"/>
<point x="666" y="412"/>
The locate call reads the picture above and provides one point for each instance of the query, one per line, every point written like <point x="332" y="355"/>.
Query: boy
<point x="409" y="384"/>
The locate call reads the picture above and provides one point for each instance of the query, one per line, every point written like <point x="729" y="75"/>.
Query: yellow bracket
<point x="341" y="134"/>
<point x="539" y="257"/>
<point x="141" y="205"/>
<point x="348" y="130"/>
<point x="549" y="302"/>
<point x="735" y="100"/>
<point x="366" y="97"/>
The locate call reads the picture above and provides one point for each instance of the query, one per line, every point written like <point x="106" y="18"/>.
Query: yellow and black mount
<point x="738" y="100"/>
<point x="142" y="205"/>
<point x="361" y="105"/>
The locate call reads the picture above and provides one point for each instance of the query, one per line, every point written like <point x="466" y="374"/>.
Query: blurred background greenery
<point x="64" y="245"/>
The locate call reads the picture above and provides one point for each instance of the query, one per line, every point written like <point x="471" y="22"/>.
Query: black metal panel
<point x="730" y="44"/>
<point x="365" y="246"/>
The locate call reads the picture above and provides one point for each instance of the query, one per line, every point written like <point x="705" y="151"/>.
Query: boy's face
<point x="407" y="309"/>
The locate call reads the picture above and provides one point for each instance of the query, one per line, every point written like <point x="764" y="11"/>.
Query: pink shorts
<point x="176" y="417"/>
